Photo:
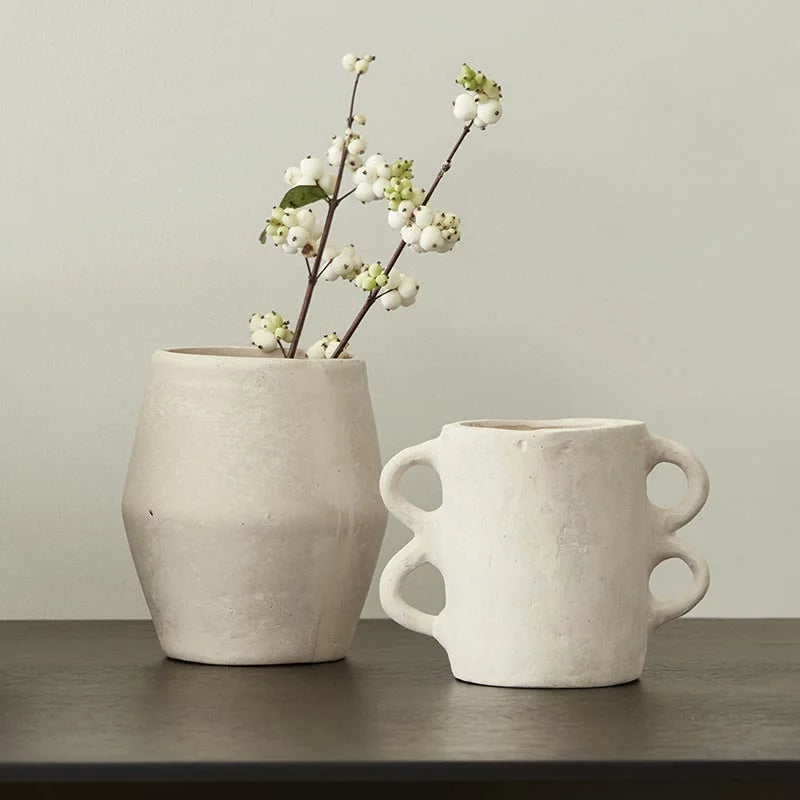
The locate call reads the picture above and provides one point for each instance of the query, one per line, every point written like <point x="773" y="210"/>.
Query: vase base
<point x="252" y="662"/>
<point x="583" y="682"/>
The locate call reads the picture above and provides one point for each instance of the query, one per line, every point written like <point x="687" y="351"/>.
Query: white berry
<point x="349" y="62"/>
<point x="407" y="288"/>
<point x="379" y="187"/>
<point x="264" y="340"/>
<point x="317" y="350"/>
<point x="465" y="107"/>
<point x="327" y="183"/>
<point x="395" y="220"/>
<point x="393" y="280"/>
<point x="298" y="236"/>
<point x="406" y="208"/>
<point x="291" y="176"/>
<point x="365" y="174"/>
<point x="391" y="300"/>
<point x="490" y="111"/>
<point x="334" y="156"/>
<point x="423" y="216"/>
<point x="430" y="238"/>
<point x="306" y="219"/>
<point x="364" y="192"/>
<point x="356" y="147"/>
<point x="311" y="167"/>
<point x="411" y="233"/>
<point x="361" y="66"/>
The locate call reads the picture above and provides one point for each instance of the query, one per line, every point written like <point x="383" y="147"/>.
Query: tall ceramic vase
<point x="251" y="504"/>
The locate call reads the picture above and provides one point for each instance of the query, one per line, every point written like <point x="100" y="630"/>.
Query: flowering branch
<point x="373" y="296"/>
<point x="333" y="204"/>
<point x="423" y="228"/>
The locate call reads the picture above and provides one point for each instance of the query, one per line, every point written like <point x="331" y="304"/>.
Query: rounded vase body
<point x="251" y="504"/>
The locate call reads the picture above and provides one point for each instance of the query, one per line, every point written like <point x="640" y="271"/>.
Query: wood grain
<point x="719" y="698"/>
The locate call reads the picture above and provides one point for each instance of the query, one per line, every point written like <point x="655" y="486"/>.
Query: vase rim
<point x="570" y="424"/>
<point x="243" y="354"/>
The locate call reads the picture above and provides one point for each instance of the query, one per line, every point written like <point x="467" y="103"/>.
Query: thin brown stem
<point x="332" y="206"/>
<point x="308" y="267"/>
<point x="283" y="350"/>
<point x="448" y="162"/>
<point x="353" y="102"/>
<point x="374" y="294"/>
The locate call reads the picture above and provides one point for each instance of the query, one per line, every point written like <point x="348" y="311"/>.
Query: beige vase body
<point x="546" y="540"/>
<point x="251" y="504"/>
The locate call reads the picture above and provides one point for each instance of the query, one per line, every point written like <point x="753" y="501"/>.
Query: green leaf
<point x="262" y="237"/>
<point x="301" y="196"/>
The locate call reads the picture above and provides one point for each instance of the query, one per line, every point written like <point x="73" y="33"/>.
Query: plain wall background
<point x="629" y="247"/>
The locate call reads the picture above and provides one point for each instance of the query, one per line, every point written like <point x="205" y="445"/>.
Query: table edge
<point x="489" y="771"/>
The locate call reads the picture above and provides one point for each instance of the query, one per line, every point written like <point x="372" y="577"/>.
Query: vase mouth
<point x="249" y="353"/>
<point x="517" y="426"/>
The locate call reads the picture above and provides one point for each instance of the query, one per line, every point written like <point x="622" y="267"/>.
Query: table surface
<point x="98" y="700"/>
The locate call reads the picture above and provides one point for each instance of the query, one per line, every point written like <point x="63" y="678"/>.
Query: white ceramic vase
<point x="251" y="504"/>
<point x="546" y="540"/>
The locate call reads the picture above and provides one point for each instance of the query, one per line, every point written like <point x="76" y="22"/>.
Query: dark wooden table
<point x="97" y="701"/>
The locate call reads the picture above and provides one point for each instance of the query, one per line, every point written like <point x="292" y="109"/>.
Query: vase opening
<point x="252" y="353"/>
<point x="546" y="425"/>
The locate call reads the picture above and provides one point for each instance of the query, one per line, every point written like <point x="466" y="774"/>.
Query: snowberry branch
<point x="333" y="203"/>
<point x="372" y="297"/>
<point x="294" y="226"/>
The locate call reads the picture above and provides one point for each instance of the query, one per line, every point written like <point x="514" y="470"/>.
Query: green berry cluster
<point x="476" y="81"/>
<point x="400" y="187"/>
<point x="372" y="277"/>
<point x="401" y="168"/>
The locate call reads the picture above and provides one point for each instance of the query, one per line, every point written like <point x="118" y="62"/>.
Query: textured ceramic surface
<point x="252" y="506"/>
<point x="546" y="540"/>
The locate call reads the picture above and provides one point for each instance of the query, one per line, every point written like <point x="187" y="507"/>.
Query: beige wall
<point x="629" y="248"/>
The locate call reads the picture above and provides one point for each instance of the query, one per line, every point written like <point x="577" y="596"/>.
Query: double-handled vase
<point x="546" y="540"/>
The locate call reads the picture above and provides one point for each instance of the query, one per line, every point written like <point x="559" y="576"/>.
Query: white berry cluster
<point x="400" y="290"/>
<point x="297" y="230"/>
<point x="425" y="229"/>
<point x="356" y="146"/>
<point x="397" y="288"/>
<point x="372" y="179"/>
<point x="266" y="330"/>
<point x="353" y="63"/>
<point x="480" y="103"/>
<point x="326" y="347"/>
<point x="341" y="263"/>
<point x="310" y="172"/>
